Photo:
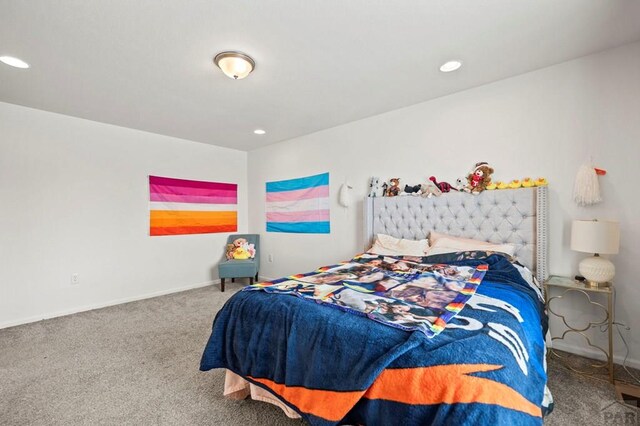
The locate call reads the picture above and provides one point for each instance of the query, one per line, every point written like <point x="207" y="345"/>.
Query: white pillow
<point x="443" y="243"/>
<point x="391" y="246"/>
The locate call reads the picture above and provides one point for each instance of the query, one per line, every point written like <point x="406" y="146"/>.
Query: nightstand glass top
<point x="566" y="282"/>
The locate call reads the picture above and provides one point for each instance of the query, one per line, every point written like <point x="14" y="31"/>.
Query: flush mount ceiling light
<point x="259" y="131"/>
<point x="14" y="62"/>
<point x="236" y="65"/>
<point x="450" y="66"/>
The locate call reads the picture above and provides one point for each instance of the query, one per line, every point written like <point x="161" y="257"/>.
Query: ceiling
<point x="147" y="64"/>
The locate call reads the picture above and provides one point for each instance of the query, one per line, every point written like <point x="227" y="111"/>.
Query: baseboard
<point x="91" y="307"/>
<point x="595" y="354"/>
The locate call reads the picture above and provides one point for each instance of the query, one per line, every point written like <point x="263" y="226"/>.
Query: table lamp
<point x="598" y="237"/>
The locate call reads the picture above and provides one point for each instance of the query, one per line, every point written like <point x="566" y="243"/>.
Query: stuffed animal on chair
<point x="240" y="250"/>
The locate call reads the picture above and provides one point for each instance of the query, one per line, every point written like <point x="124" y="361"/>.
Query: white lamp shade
<point x="595" y="236"/>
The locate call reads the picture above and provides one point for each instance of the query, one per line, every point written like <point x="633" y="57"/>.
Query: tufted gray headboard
<point x="516" y="216"/>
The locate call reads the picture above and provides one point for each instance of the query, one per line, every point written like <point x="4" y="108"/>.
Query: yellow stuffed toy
<point x="541" y="182"/>
<point x="514" y="184"/>
<point x="240" y="253"/>
<point x="240" y="250"/>
<point x="527" y="182"/>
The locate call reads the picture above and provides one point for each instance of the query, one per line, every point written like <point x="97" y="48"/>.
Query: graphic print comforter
<point x="337" y="366"/>
<point x="401" y="292"/>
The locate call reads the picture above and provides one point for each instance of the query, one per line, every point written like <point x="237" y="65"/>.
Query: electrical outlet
<point x="270" y="258"/>
<point x="75" y="278"/>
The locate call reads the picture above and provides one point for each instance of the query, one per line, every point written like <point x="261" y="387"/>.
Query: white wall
<point x="544" y="123"/>
<point x="74" y="199"/>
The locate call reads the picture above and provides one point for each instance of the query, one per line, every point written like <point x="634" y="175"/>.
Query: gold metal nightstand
<point x="570" y="285"/>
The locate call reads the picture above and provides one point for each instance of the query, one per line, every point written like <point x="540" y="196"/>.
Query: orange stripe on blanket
<point x="448" y="384"/>
<point x="329" y="405"/>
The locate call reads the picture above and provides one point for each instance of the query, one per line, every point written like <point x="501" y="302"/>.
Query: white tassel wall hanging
<point x="586" y="190"/>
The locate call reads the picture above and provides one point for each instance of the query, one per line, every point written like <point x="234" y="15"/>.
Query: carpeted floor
<point x="137" y="364"/>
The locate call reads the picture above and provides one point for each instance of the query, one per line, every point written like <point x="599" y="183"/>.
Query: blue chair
<point x="241" y="268"/>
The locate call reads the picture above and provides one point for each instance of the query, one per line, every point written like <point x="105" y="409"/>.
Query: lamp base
<point x="597" y="270"/>
<point x="594" y="284"/>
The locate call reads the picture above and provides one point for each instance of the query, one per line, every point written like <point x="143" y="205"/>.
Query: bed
<point x="479" y="357"/>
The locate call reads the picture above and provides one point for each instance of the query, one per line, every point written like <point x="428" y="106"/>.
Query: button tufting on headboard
<point x="499" y="216"/>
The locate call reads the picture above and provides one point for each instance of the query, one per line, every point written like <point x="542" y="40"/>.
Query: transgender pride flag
<point x="299" y="205"/>
<point x="180" y="206"/>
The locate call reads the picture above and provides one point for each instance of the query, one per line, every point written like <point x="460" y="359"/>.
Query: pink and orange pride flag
<point x="179" y="206"/>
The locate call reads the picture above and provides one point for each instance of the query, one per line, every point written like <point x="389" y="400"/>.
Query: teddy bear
<point x="230" y="249"/>
<point x="393" y="188"/>
<point x="240" y="249"/>
<point x="480" y="178"/>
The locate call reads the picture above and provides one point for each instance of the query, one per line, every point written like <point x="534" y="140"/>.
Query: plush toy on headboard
<point x="478" y="180"/>
<point x="374" y="187"/>
<point x="393" y="188"/>
<point x="430" y="189"/>
<point x="442" y="186"/>
<point x="240" y="250"/>
<point x="412" y="189"/>
<point x="460" y="185"/>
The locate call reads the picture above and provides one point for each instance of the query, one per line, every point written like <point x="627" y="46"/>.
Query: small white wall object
<point x="344" y="196"/>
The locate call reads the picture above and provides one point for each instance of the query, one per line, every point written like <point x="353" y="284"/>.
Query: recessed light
<point x="14" y="62"/>
<point x="450" y="66"/>
<point x="259" y="131"/>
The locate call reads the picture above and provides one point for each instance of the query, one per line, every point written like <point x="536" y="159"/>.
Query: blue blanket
<point x="334" y="367"/>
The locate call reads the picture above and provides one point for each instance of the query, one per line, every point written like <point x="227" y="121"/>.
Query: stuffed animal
<point x="230" y="249"/>
<point x="501" y="185"/>
<point x="393" y="189"/>
<point x="413" y="190"/>
<point x="442" y="186"/>
<point x="479" y="178"/>
<point x="430" y="189"/>
<point x="374" y="187"/>
<point x="527" y="182"/>
<point x="461" y="185"/>
<point x="240" y="253"/>
<point x="515" y="184"/>
<point x="541" y="182"/>
<point x="240" y="250"/>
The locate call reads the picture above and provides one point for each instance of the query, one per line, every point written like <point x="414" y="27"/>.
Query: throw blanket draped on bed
<point x="400" y="292"/>
<point x="334" y="367"/>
